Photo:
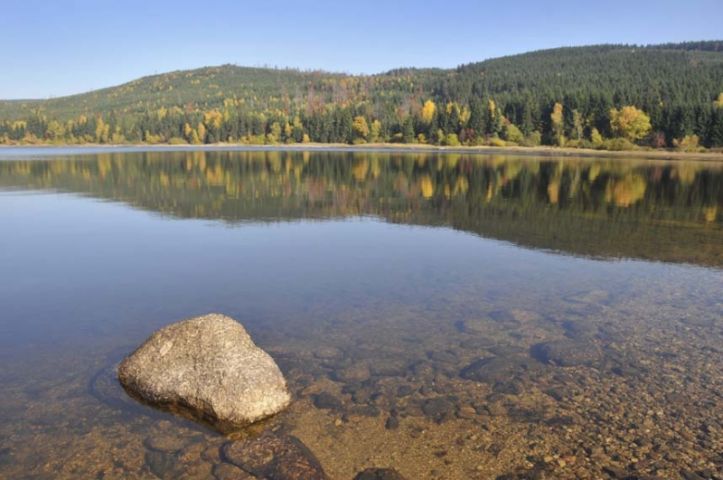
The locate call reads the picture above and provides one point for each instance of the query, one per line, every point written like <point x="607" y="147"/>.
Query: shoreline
<point x="545" y="151"/>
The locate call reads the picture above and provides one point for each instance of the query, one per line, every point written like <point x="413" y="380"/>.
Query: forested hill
<point x="605" y="96"/>
<point x="200" y="88"/>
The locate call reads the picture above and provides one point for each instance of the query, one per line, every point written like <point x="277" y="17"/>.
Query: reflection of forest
<point x="668" y="212"/>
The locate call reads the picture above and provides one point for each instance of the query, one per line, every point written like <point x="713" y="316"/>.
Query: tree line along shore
<point x="605" y="97"/>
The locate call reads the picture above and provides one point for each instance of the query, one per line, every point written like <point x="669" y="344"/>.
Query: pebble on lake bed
<point x="207" y="368"/>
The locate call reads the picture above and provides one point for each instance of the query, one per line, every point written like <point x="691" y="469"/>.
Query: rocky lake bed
<point x="542" y="399"/>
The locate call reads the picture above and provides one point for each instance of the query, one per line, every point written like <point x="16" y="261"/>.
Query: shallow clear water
<point x="474" y="316"/>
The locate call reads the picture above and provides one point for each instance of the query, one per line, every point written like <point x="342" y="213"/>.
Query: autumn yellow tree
<point x="556" y="121"/>
<point x="117" y="137"/>
<point x="274" y="133"/>
<point x="494" y="121"/>
<point x="187" y="132"/>
<point x="55" y="130"/>
<point x="451" y="140"/>
<point x="375" y="131"/>
<point x="595" y="137"/>
<point x="361" y="128"/>
<point x="629" y="123"/>
<point x="102" y="130"/>
<point x="719" y="102"/>
<point x="193" y="137"/>
<point x="511" y="133"/>
<point x="428" y="111"/>
<point x="689" y="143"/>
<point x="213" y="119"/>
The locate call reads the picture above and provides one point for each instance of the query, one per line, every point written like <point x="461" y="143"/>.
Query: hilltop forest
<point x="608" y="97"/>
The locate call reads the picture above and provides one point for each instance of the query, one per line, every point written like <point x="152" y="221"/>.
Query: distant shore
<point x="716" y="156"/>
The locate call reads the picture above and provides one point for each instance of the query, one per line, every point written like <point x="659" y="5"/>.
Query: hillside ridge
<point x="678" y="88"/>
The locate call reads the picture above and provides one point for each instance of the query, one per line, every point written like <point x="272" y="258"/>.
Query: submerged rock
<point x="326" y="400"/>
<point x="281" y="457"/>
<point x="379" y="474"/>
<point x="580" y="329"/>
<point x="588" y="297"/>
<point x="167" y="443"/>
<point x="209" y="369"/>
<point x="502" y="369"/>
<point x="363" y="411"/>
<point x="6" y="456"/>
<point x="226" y="471"/>
<point x="161" y="464"/>
<point x="567" y="353"/>
<point x="494" y="320"/>
<point x="392" y="423"/>
<point x="357" y="372"/>
<point x="440" y="409"/>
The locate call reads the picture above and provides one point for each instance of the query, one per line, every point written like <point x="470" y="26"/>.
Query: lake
<point x="450" y="316"/>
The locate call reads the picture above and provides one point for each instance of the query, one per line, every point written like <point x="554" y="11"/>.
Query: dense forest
<point x="606" y="97"/>
<point x="650" y="210"/>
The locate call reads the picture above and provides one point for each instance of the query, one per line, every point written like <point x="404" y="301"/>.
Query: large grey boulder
<point x="209" y="369"/>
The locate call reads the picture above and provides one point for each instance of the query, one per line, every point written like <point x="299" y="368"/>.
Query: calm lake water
<point x="448" y="316"/>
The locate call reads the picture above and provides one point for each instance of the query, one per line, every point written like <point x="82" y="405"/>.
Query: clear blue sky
<point x="59" y="47"/>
